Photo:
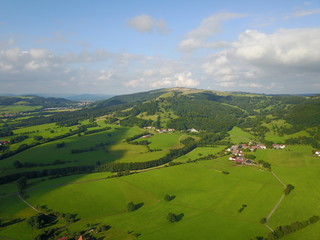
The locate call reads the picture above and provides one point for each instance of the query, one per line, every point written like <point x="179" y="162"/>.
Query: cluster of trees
<point x="6" y="131"/>
<point x="90" y="149"/>
<point x="40" y="220"/>
<point x="134" y="121"/>
<point x="304" y="141"/>
<point x="47" y="172"/>
<point x="18" y="139"/>
<point x="143" y="142"/>
<point x="282" y="231"/>
<point x="174" y="153"/>
<point x="265" y="164"/>
<point x="242" y="208"/>
<point x="18" y="164"/>
<point x="211" y="139"/>
<point x="60" y="145"/>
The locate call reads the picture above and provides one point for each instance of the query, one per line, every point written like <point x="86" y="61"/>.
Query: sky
<point x="124" y="46"/>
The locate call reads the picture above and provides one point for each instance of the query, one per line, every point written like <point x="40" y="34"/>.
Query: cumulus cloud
<point x="272" y="62"/>
<point x="295" y="48"/>
<point x="208" y="27"/>
<point x="145" y="24"/>
<point x="285" y="61"/>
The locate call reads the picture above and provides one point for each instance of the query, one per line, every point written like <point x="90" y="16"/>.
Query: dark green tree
<point x="171" y="217"/>
<point x="131" y="207"/>
<point x="288" y="189"/>
<point x="21" y="183"/>
<point x="167" y="198"/>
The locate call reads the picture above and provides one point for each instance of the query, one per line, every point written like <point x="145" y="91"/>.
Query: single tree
<point x="131" y="207"/>
<point x="21" y="184"/>
<point x="167" y="197"/>
<point x="171" y="217"/>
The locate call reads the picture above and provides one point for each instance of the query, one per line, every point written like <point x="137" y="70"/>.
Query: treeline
<point x="210" y="139"/>
<point x="282" y="231"/>
<point x="143" y="142"/>
<point x="96" y="130"/>
<point x="47" y="172"/>
<point x="129" y="139"/>
<point x="18" y="164"/>
<point x="91" y="149"/>
<point x="175" y="153"/>
<point x="24" y="147"/>
<point x="303" y="140"/>
<point x="134" y="121"/>
<point x="18" y="139"/>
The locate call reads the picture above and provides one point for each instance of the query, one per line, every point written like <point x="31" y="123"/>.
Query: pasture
<point x="207" y="200"/>
<point x="237" y="135"/>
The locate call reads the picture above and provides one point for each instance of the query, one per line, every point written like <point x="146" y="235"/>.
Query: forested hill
<point x="31" y="100"/>
<point x="210" y="111"/>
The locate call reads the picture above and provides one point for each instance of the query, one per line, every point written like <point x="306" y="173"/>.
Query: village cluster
<point x="168" y="130"/>
<point x="238" y="155"/>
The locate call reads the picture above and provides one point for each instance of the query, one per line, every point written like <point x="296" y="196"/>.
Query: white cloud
<point x="268" y="62"/>
<point x="303" y="13"/>
<point x="145" y="23"/>
<point x="285" y="48"/>
<point x="208" y="27"/>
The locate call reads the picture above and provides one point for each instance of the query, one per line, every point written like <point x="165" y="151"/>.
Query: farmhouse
<point x="317" y="153"/>
<point x="146" y="136"/>
<point x="193" y="130"/>
<point x="4" y="143"/>
<point x="278" y="146"/>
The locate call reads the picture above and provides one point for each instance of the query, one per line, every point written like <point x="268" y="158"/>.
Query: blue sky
<point x="116" y="47"/>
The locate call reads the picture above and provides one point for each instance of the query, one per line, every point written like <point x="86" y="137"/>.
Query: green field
<point x="17" y="108"/>
<point x="208" y="200"/>
<point x="237" y="135"/>
<point x="116" y="150"/>
<point x="199" y="152"/>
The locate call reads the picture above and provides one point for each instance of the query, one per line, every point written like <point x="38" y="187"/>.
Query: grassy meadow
<point x="206" y="200"/>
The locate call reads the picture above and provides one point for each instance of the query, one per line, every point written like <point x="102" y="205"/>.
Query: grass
<point x="117" y="150"/>
<point x="208" y="199"/>
<point x="17" y="108"/>
<point x="237" y="135"/>
<point x="199" y="152"/>
<point x="295" y="166"/>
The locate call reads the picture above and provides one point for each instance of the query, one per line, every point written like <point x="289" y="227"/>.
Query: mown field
<point x="206" y="200"/>
<point x="115" y="148"/>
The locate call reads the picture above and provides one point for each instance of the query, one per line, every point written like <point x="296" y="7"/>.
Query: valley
<point x="83" y="166"/>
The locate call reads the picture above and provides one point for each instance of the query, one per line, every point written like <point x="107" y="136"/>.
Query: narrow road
<point x="285" y="186"/>
<point x="278" y="203"/>
<point x="275" y="207"/>
<point x="29" y="204"/>
<point x="267" y="226"/>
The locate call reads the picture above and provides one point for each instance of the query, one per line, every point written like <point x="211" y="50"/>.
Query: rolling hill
<point x="164" y="154"/>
